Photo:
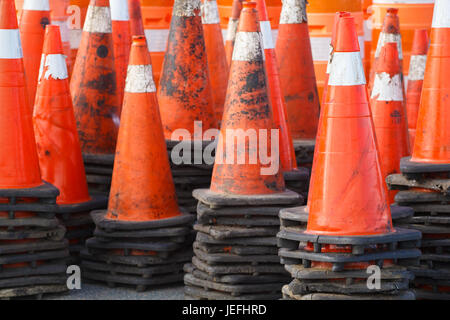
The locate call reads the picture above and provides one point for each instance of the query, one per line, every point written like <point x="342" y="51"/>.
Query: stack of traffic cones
<point x="58" y="146"/>
<point x="235" y="249"/>
<point x="296" y="179"/>
<point x="95" y="96"/>
<point x="143" y="238"/>
<point x="35" y="15"/>
<point x="415" y="80"/>
<point x="32" y="245"/>
<point x="215" y="50"/>
<point x="232" y="29"/>
<point x="389" y="33"/>
<point x="349" y="226"/>
<point x="424" y="182"/>
<point x="298" y="80"/>
<point x="389" y="112"/>
<point x="186" y="102"/>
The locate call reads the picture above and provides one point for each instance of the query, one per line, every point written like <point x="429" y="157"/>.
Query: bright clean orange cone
<point x="93" y="84"/>
<point x="347" y="182"/>
<point x="120" y="19"/>
<point x="432" y="143"/>
<point x="136" y="24"/>
<point x="287" y="154"/>
<point x="184" y="91"/>
<point x="297" y="76"/>
<point x="415" y="79"/>
<point x="18" y="159"/>
<point x="215" y="51"/>
<point x="54" y="125"/>
<point x="389" y="112"/>
<point x="232" y="29"/>
<point x="35" y="16"/>
<point x="59" y="17"/>
<point x="389" y="33"/>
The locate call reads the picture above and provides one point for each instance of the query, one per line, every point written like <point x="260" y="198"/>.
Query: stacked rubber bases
<point x="189" y="174"/>
<point x="138" y="254"/>
<point x="99" y="170"/>
<point x="33" y="251"/>
<point x="335" y="267"/>
<point x="425" y="188"/>
<point x="235" y="252"/>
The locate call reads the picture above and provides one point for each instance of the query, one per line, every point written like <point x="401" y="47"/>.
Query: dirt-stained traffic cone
<point x="142" y="200"/>
<point x="298" y="80"/>
<point x="232" y="29"/>
<point x="239" y="211"/>
<point x="184" y="91"/>
<point x="57" y="141"/>
<point x="415" y="79"/>
<point x="95" y="93"/>
<point x="389" y="33"/>
<point x="349" y="220"/>
<point x="296" y="179"/>
<point x="136" y="23"/>
<point x="30" y="239"/>
<point x="120" y="19"/>
<point x="389" y="112"/>
<point x="35" y="16"/>
<point x="59" y="17"/>
<point x="425" y="180"/>
<point x="215" y="51"/>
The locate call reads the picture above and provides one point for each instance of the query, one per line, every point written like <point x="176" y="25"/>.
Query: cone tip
<point x="346" y="36"/>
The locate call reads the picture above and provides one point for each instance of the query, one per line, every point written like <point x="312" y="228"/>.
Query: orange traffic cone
<point x="215" y="51"/>
<point x="58" y="16"/>
<point x="232" y="29"/>
<point x="347" y="143"/>
<point x="122" y="42"/>
<point x="136" y="24"/>
<point x="184" y="91"/>
<point x="349" y="218"/>
<point x="389" y="33"/>
<point x="431" y="147"/>
<point x="247" y="107"/>
<point x="142" y="201"/>
<point x="93" y="84"/>
<point x="58" y="145"/>
<point x="298" y="80"/>
<point x="415" y="79"/>
<point x="389" y="112"/>
<point x="35" y="16"/>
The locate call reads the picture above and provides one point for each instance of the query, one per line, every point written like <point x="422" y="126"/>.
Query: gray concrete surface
<point x="91" y="291"/>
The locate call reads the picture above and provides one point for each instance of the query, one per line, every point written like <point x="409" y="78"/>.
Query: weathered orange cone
<point x="35" y="16"/>
<point x="122" y="42"/>
<point x="232" y="29"/>
<point x="297" y="76"/>
<point x="93" y="84"/>
<point x="215" y="51"/>
<point x="247" y="107"/>
<point x="432" y="144"/>
<point x="54" y="125"/>
<point x="347" y="181"/>
<point x="18" y="160"/>
<point x="389" y="112"/>
<point x="389" y="33"/>
<point x="184" y="91"/>
<point x="415" y="79"/>
<point x="136" y="24"/>
<point x="58" y="16"/>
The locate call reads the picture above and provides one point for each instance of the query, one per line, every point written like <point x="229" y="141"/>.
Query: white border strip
<point x="346" y="69"/>
<point x="12" y="47"/>
<point x="210" y="12"/>
<point x="266" y="32"/>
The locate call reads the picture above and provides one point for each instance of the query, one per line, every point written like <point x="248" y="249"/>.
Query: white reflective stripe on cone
<point x="98" y="20"/>
<point x="386" y="88"/>
<point x="56" y="67"/>
<point x="248" y="47"/>
<point x="210" y="12"/>
<point x="119" y="10"/>
<point x="266" y="32"/>
<point x="441" y="14"/>
<point x="12" y="47"/>
<point x="36" y="5"/>
<point x="346" y="69"/>
<point x="140" y="79"/>
<point x="417" y="67"/>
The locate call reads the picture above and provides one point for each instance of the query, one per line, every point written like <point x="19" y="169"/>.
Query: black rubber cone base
<point x="403" y="182"/>
<point x="214" y="199"/>
<point x="32" y="292"/>
<point x="236" y="250"/>
<point x="253" y="241"/>
<point x="110" y="225"/>
<point x="96" y="202"/>
<point x="149" y="233"/>
<point x="411" y="167"/>
<point x="304" y="151"/>
<point x="232" y="232"/>
<point x="220" y="258"/>
<point x="197" y="293"/>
